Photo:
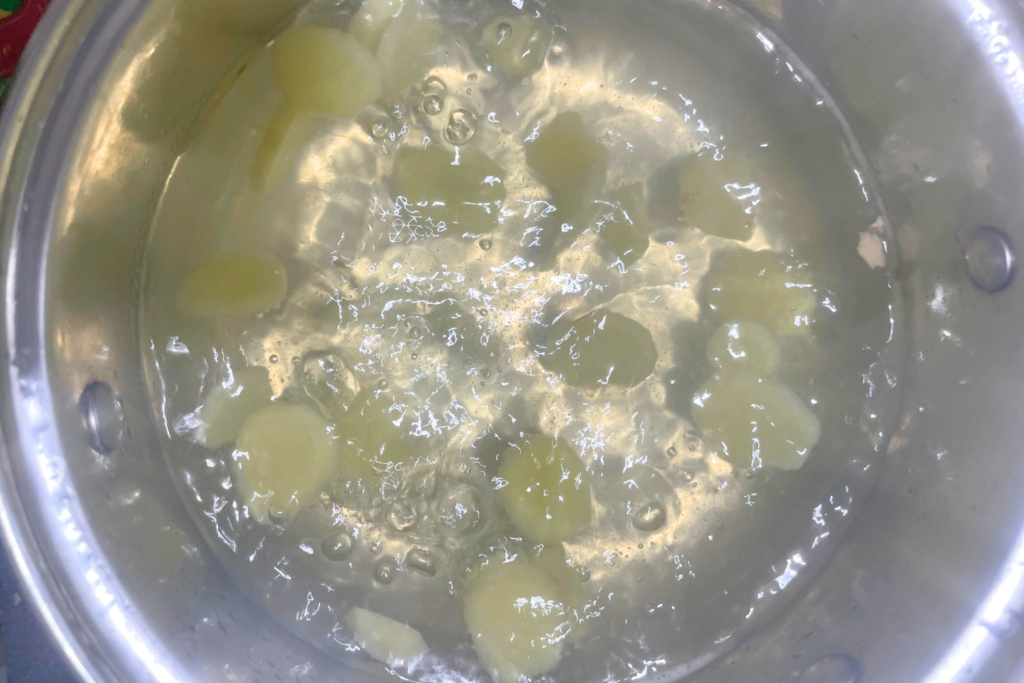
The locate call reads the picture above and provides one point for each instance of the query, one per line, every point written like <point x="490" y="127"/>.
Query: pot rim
<point x="87" y="611"/>
<point x="55" y="553"/>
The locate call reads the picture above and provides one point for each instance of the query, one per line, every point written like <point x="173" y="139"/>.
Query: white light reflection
<point x="793" y="566"/>
<point x="977" y="642"/>
<point x="130" y="635"/>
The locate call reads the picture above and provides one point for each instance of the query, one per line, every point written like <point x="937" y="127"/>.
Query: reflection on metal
<point x="999" y="38"/>
<point x="769" y="10"/>
<point x="990" y="261"/>
<point x="835" y="668"/>
<point x="102" y="417"/>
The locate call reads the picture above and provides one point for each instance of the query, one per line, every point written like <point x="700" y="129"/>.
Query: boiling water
<point x="686" y="552"/>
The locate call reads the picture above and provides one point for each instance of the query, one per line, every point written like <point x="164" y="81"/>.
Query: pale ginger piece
<point x="206" y="44"/>
<point x="761" y="286"/>
<point x="517" y="620"/>
<point x="745" y="344"/>
<point x="385" y="639"/>
<point x="320" y="71"/>
<point x="284" y="456"/>
<point x="753" y="421"/>
<point x="600" y="348"/>
<point x="627" y="235"/>
<point x="553" y="560"/>
<point x="163" y="104"/>
<point x="546" y="490"/>
<point x="270" y="149"/>
<point x="573" y="164"/>
<point x="371" y="445"/>
<point x="517" y="43"/>
<point x="226" y="408"/>
<point x="569" y="160"/>
<point x="709" y="196"/>
<point x="249" y="17"/>
<point x="466" y="197"/>
<point x="325" y="71"/>
<point x="409" y="47"/>
<point x="234" y="284"/>
<point x="372" y="19"/>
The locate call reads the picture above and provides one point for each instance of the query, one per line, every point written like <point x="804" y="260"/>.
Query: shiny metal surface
<point x="928" y="584"/>
<point x="990" y="259"/>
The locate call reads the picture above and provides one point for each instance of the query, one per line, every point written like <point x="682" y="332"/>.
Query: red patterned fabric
<point x="15" y="30"/>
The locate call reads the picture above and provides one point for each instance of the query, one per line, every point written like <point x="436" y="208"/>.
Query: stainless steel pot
<point x="928" y="584"/>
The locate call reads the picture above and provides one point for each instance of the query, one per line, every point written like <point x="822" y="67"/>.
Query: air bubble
<point x="416" y="333"/>
<point x="420" y="560"/>
<point x="434" y="86"/>
<point x="693" y="441"/>
<point x="337" y="547"/>
<point x="672" y="451"/>
<point x="486" y="244"/>
<point x="461" y="127"/>
<point x="380" y="128"/>
<point x="274" y="358"/>
<point x="650" y="517"/>
<point x="384" y="571"/>
<point x="504" y="31"/>
<point x="432" y="105"/>
<point x="460" y="509"/>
